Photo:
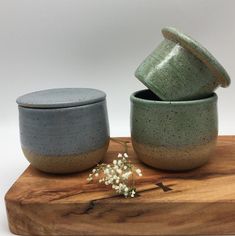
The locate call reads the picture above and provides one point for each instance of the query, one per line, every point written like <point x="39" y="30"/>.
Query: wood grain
<point x="201" y="201"/>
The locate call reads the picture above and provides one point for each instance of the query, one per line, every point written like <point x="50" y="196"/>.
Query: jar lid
<point x="200" y="52"/>
<point x="61" y="98"/>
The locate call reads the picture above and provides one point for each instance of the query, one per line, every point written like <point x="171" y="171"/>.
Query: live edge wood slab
<point x="201" y="201"/>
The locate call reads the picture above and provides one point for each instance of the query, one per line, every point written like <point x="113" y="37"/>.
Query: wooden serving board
<point x="201" y="201"/>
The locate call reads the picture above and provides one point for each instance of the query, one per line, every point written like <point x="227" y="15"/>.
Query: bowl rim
<point x="200" y="52"/>
<point x="211" y="98"/>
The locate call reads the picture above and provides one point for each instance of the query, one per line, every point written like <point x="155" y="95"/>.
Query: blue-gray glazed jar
<point x="64" y="130"/>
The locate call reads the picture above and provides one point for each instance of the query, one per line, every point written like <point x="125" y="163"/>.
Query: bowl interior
<point x="147" y="95"/>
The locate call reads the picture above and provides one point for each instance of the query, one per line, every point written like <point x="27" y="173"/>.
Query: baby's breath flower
<point x="138" y="171"/>
<point x="117" y="175"/>
<point x="125" y="155"/>
<point x="132" y="193"/>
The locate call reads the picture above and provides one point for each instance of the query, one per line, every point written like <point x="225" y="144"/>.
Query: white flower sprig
<point x="119" y="174"/>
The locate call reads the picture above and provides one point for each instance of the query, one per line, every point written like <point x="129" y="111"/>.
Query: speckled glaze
<point x="181" y="69"/>
<point x="173" y="135"/>
<point x="60" y="139"/>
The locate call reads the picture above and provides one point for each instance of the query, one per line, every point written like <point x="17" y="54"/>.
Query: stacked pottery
<point x="64" y="130"/>
<point x="174" y="124"/>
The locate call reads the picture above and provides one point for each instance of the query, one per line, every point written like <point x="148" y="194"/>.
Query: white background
<point x="99" y="44"/>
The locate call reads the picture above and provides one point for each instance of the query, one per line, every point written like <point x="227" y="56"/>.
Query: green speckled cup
<point x="181" y="69"/>
<point x="173" y="135"/>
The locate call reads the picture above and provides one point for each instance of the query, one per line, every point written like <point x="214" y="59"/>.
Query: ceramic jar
<point x="181" y="69"/>
<point x="64" y="130"/>
<point x="175" y="136"/>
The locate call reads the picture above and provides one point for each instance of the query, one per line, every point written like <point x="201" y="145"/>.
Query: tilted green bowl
<point x="181" y="69"/>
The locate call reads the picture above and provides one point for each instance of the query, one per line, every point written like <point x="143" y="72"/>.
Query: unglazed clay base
<point x="66" y="163"/>
<point x="174" y="158"/>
